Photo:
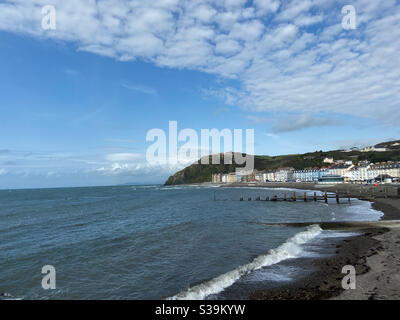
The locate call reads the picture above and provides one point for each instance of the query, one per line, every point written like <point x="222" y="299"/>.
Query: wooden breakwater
<point x="360" y="191"/>
<point x="295" y="197"/>
<point x="342" y="191"/>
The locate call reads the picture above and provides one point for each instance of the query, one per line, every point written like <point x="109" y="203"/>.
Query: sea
<point x="160" y="242"/>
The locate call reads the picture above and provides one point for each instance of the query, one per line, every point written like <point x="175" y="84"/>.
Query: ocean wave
<point x="173" y="188"/>
<point x="145" y="187"/>
<point x="363" y="211"/>
<point x="290" y="249"/>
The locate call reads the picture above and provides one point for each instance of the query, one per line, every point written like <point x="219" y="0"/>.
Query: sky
<point x="77" y="101"/>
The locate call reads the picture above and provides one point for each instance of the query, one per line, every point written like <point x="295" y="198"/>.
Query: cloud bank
<point x="289" y="56"/>
<point x="24" y="169"/>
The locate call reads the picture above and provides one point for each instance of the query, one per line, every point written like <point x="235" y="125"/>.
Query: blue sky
<point x="76" y="102"/>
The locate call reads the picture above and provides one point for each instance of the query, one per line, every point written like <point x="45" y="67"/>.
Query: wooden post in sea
<point x="326" y="197"/>
<point x="337" y="198"/>
<point x="305" y="196"/>
<point x="315" y="196"/>
<point x="294" y="196"/>
<point x="284" y="197"/>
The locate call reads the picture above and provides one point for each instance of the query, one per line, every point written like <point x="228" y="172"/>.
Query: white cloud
<point x="227" y="46"/>
<point x="267" y="6"/>
<point x="293" y="8"/>
<point x="124" y="157"/>
<point x="34" y="169"/>
<point x="138" y="169"/>
<point x="281" y="124"/>
<point x="247" y="31"/>
<point x="289" y="56"/>
<point x="308" y="20"/>
<point x="272" y="135"/>
<point x="295" y="123"/>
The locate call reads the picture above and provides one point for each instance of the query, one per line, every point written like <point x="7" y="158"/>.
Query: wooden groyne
<point x="303" y="198"/>
<point x="342" y="193"/>
<point x="344" y="190"/>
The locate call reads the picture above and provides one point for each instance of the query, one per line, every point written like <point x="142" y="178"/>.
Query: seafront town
<point x="333" y="171"/>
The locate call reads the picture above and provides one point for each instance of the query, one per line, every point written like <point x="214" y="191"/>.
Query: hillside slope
<point x="197" y="173"/>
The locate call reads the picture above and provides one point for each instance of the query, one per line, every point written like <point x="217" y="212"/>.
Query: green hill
<point x="197" y="173"/>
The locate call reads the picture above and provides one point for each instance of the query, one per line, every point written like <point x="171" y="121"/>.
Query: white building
<point x="269" y="176"/>
<point x="360" y="173"/>
<point x="231" y="177"/>
<point x="259" y="176"/>
<point x="216" y="178"/>
<point x="339" y="170"/>
<point x="328" y="160"/>
<point x="228" y="178"/>
<point x="307" y="175"/>
<point x="243" y="175"/>
<point x="368" y="171"/>
<point x="284" y="174"/>
<point x="346" y="162"/>
<point x="376" y="149"/>
<point x="391" y="169"/>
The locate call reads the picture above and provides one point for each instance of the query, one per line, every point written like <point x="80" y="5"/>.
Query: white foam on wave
<point x="362" y="211"/>
<point x="290" y="249"/>
<point x="173" y="188"/>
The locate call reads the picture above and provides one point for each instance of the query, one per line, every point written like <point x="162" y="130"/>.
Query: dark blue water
<point x="149" y="242"/>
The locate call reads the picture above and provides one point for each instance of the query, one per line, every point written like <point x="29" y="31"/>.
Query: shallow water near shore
<point x="154" y="242"/>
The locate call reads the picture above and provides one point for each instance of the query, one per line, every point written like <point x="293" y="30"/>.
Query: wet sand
<point x="375" y="253"/>
<point x="382" y="281"/>
<point x="325" y="281"/>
